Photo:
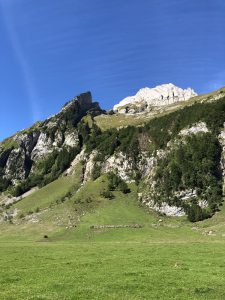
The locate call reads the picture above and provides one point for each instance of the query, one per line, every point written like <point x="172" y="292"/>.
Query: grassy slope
<point x="165" y="259"/>
<point x="46" y="195"/>
<point x="120" y="120"/>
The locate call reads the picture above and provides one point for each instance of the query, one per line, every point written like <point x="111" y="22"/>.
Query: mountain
<point x="176" y="161"/>
<point x="24" y="153"/>
<point x="148" y="98"/>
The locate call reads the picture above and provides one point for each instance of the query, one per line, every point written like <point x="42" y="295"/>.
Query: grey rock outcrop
<point x="20" y="153"/>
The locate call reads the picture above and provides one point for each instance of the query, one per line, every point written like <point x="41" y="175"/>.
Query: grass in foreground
<point x="113" y="270"/>
<point x="168" y="258"/>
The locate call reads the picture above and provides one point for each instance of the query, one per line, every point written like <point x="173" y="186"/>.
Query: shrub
<point x="107" y="194"/>
<point x="21" y="216"/>
<point x="115" y="182"/>
<point x="4" y="183"/>
<point x="123" y="187"/>
<point x="195" y="213"/>
<point x="96" y="172"/>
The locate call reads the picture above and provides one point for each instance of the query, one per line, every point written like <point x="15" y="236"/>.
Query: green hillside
<point x="168" y="258"/>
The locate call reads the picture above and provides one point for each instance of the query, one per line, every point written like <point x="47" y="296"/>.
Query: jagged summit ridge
<point x="21" y="153"/>
<point x="161" y="95"/>
<point x="84" y="100"/>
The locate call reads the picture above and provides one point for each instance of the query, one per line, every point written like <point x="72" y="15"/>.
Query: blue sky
<point x="51" y="50"/>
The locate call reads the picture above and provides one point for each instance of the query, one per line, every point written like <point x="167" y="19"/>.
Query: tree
<point x="123" y="187"/>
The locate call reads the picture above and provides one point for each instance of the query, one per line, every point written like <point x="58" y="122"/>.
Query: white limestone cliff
<point x="146" y="98"/>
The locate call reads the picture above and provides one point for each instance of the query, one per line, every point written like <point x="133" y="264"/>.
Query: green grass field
<point x="168" y="258"/>
<point x="112" y="270"/>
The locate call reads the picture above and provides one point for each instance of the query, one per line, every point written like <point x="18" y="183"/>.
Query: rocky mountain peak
<point x="21" y="153"/>
<point x="84" y="100"/>
<point x="146" y="98"/>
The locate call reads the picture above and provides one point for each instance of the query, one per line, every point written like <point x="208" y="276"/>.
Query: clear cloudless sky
<point x="52" y="50"/>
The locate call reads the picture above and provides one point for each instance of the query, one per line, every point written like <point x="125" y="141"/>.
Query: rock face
<point x="196" y="128"/>
<point x="121" y="163"/>
<point x="222" y="143"/>
<point x="15" y="167"/>
<point x="20" y="153"/>
<point x="83" y="100"/>
<point x="164" y="208"/>
<point x="147" y="98"/>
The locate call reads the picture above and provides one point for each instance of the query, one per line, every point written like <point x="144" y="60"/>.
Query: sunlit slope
<point x="120" y="120"/>
<point x="73" y="218"/>
<point x="49" y="194"/>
